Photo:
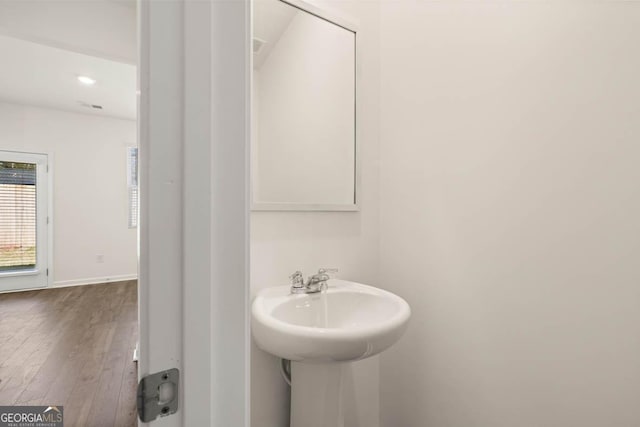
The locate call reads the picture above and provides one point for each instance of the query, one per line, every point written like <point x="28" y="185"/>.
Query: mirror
<point x="303" y="109"/>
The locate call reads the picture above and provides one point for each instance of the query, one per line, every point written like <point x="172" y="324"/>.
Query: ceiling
<point x="45" y="76"/>
<point x="103" y="28"/>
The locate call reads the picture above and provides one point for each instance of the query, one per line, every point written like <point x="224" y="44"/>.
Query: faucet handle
<point x="297" y="279"/>
<point x="328" y="270"/>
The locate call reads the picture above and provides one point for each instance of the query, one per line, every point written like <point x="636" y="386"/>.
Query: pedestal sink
<point x="322" y="333"/>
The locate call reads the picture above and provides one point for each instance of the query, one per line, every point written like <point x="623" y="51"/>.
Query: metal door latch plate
<point x="158" y="395"/>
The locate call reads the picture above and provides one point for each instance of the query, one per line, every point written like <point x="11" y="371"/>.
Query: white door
<point x="24" y="207"/>
<point x="194" y="206"/>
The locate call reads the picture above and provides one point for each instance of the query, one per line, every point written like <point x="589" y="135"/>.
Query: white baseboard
<point x="94" y="280"/>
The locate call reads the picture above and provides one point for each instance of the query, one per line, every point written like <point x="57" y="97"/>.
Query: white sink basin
<point x="349" y="321"/>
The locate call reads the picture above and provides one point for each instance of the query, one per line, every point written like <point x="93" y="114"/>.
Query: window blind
<point x="17" y="215"/>
<point x="132" y="185"/>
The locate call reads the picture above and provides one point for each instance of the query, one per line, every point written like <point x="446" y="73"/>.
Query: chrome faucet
<point x="313" y="284"/>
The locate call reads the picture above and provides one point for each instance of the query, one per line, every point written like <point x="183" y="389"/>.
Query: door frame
<point x="193" y="133"/>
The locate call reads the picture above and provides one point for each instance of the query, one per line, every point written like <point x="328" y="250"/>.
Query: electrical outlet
<point x="99" y="259"/>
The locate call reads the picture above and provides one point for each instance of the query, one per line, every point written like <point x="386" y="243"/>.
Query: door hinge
<point x="158" y="395"/>
<point x="47" y="271"/>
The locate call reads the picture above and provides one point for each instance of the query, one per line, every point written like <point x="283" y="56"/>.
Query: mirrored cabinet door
<point x="303" y="110"/>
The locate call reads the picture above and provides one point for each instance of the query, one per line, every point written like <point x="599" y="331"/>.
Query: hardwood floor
<point x="72" y="347"/>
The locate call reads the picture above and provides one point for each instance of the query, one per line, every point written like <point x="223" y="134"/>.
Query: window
<point x="17" y="215"/>
<point x="132" y="185"/>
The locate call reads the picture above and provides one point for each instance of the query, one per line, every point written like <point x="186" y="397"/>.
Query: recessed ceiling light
<point x="88" y="81"/>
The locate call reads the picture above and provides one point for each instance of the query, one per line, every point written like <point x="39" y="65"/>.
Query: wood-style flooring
<point x="72" y="347"/>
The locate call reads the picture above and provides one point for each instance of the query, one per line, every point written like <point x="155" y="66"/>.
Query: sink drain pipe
<point x="285" y="370"/>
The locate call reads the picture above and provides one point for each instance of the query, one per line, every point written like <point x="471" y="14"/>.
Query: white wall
<point x="282" y="242"/>
<point x="90" y="188"/>
<point x="509" y="212"/>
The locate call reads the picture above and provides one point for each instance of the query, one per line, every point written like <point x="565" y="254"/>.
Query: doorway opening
<point x="69" y="208"/>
